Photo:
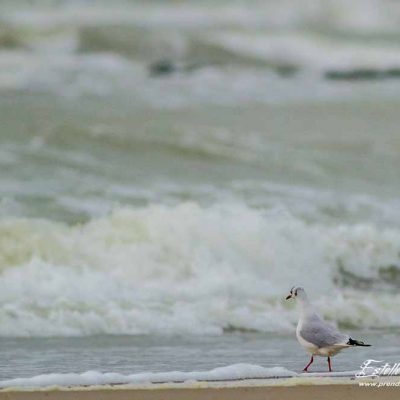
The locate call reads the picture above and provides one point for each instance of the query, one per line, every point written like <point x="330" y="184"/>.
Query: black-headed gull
<point x="316" y="335"/>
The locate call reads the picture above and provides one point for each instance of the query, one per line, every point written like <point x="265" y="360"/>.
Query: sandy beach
<point x="322" y="388"/>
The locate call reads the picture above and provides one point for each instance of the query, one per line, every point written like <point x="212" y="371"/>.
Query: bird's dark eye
<point x="295" y="293"/>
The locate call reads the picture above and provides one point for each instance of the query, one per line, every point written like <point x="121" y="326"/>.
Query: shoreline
<point x="299" y="387"/>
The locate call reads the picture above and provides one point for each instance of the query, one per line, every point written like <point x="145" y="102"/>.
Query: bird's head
<point x="296" y="292"/>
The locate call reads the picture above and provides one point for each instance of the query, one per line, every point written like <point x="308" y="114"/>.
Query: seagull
<point x="316" y="335"/>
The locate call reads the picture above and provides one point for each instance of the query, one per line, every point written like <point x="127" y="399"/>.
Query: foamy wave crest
<point x="189" y="269"/>
<point x="228" y="373"/>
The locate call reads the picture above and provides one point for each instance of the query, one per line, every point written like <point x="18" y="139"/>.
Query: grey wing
<point x="321" y="334"/>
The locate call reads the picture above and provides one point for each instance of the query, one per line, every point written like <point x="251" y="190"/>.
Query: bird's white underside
<point x="320" y="351"/>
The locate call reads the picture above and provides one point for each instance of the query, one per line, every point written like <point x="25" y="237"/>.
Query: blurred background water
<point x="174" y="167"/>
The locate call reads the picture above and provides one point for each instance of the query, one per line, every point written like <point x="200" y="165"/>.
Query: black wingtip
<point x="353" y="342"/>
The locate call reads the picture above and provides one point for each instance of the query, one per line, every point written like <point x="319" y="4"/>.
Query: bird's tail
<point x="353" y="342"/>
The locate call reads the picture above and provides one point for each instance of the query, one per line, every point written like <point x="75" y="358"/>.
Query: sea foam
<point x="231" y="372"/>
<point x="189" y="269"/>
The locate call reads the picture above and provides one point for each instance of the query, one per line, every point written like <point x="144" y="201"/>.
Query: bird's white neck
<point x="306" y="307"/>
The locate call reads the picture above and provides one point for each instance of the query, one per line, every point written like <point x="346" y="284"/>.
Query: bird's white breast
<point x="312" y="348"/>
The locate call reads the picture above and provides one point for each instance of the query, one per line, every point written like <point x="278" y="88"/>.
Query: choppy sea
<point x="169" y="170"/>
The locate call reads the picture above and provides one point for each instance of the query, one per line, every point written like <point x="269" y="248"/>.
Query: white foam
<point x="187" y="269"/>
<point x="309" y="51"/>
<point x="105" y="74"/>
<point x="65" y="74"/>
<point x="231" y="372"/>
<point x="357" y="15"/>
<point x="273" y="33"/>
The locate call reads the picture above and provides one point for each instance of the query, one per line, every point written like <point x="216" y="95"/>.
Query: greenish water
<point x="173" y="168"/>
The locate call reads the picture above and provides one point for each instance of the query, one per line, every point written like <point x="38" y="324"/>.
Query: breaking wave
<point x="191" y="269"/>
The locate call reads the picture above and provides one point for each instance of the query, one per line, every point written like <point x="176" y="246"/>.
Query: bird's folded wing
<point x="316" y="331"/>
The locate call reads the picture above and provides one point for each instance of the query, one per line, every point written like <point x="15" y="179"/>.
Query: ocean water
<point x="169" y="170"/>
<point x="144" y="358"/>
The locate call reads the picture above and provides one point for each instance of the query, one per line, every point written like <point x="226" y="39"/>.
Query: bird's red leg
<point x="311" y="361"/>
<point x="329" y="364"/>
